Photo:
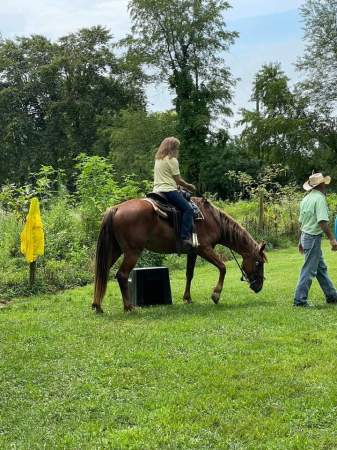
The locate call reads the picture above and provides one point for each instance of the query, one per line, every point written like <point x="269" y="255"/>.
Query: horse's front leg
<point x="191" y="260"/>
<point x="209" y="255"/>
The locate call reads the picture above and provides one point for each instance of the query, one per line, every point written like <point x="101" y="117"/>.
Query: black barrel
<point x="150" y="286"/>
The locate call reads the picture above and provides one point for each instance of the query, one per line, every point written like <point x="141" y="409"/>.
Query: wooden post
<point x="261" y="211"/>
<point x="32" y="272"/>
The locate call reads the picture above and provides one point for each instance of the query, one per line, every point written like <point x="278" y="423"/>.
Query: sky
<point x="270" y="31"/>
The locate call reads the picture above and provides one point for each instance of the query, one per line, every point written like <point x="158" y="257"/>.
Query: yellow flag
<point x="32" y="236"/>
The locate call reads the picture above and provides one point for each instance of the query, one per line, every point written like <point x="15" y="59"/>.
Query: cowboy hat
<point x="315" y="180"/>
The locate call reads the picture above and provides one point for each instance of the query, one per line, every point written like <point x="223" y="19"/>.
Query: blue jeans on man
<point x="177" y="199"/>
<point x="314" y="267"/>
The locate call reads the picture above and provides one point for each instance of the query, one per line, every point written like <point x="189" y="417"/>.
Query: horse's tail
<point x="107" y="251"/>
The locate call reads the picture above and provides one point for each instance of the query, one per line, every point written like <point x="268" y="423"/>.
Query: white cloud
<point x="252" y="8"/>
<point x="57" y="18"/>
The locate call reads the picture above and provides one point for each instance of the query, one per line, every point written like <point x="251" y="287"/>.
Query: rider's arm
<point x="325" y="227"/>
<point x="181" y="182"/>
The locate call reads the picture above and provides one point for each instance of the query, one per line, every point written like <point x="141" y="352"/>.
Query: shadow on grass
<point x="178" y="311"/>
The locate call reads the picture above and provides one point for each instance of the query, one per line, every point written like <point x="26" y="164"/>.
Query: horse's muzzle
<point x="256" y="286"/>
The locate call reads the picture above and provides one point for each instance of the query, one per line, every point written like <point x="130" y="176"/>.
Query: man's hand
<point x="300" y="248"/>
<point x="192" y="188"/>
<point x="333" y="243"/>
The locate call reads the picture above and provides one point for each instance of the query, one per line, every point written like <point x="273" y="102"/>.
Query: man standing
<point x="314" y="219"/>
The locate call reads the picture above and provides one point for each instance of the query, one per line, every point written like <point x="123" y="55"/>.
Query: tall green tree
<point x="226" y="155"/>
<point x="278" y="129"/>
<point x="55" y="96"/>
<point x="28" y="82"/>
<point x="319" y="67"/>
<point x="184" y="41"/>
<point x="319" y="62"/>
<point x="134" y="137"/>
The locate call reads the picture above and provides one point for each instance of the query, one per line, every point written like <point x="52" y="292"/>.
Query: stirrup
<point x="195" y="241"/>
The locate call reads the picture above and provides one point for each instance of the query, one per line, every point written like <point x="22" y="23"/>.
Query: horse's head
<point x="253" y="268"/>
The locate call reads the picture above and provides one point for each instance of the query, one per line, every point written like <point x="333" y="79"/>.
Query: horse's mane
<point x="232" y="232"/>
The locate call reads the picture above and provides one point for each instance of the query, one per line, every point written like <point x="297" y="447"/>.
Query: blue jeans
<point x="177" y="199"/>
<point x="314" y="267"/>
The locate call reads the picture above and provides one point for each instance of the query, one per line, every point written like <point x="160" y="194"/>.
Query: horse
<point x="134" y="225"/>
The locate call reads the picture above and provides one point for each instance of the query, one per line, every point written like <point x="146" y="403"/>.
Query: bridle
<point x="244" y="274"/>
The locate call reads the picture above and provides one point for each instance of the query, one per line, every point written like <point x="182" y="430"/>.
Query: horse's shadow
<point x="177" y="311"/>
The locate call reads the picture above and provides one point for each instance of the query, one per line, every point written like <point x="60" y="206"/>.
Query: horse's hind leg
<point x="209" y="254"/>
<point x="129" y="262"/>
<point x="115" y="254"/>
<point x="191" y="260"/>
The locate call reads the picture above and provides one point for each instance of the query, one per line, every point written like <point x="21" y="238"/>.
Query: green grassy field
<point x="250" y="373"/>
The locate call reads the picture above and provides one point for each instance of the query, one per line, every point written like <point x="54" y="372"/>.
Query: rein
<point x="244" y="275"/>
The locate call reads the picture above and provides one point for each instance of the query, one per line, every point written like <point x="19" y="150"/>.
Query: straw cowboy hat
<point x="315" y="180"/>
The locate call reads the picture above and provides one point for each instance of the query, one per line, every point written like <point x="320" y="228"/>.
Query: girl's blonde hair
<point x="169" y="147"/>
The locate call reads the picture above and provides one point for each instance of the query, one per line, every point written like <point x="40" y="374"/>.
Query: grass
<point x="250" y="373"/>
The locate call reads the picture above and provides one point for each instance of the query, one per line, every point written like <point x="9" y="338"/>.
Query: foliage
<point x="266" y="182"/>
<point x="44" y="185"/>
<point x="133" y="138"/>
<point x="53" y="96"/>
<point x="319" y="60"/>
<point x="279" y="129"/>
<point x="225" y="155"/>
<point x="185" y="42"/>
<point x="277" y="222"/>
<point x="318" y="66"/>
<point x="130" y="381"/>
<point x="71" y="224"/>
<point x="97" y="189"/>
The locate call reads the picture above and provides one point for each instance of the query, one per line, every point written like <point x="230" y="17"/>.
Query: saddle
<point x="173" y="215"/>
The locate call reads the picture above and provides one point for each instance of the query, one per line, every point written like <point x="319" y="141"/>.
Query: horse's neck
<point x="235" y="237"/>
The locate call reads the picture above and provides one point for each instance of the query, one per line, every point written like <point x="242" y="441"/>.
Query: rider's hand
<point x="300" y="248"/>
<point x="333" y="243"/>
<point x="192" y="188"/>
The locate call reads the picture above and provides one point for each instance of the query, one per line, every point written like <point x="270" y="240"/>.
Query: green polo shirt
<point x="313" y="209"/>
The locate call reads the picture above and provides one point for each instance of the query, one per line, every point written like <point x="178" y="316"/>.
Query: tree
<point x="226" y="155"/>
<point x="279" y="129"/>
<point x="55" y="96"/>
<point x="27" y="83"/>
<point x="132" y="137"/>
<point x="319" y="65"/>
<point x="319" y="62"/>
<point x="185" y="40"/>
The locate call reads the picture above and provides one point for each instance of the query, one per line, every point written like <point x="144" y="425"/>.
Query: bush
<point x="150" y="259"/>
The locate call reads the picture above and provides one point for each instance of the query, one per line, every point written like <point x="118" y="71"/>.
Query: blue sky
<point x="270" y="31"/>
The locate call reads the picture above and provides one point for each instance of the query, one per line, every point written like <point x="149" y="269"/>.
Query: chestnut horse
<point x="133" y="226"/>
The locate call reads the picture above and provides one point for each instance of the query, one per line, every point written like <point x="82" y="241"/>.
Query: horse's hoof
<point x="128" y="308"/>
<point x="97" y="309"/>
<point x="188" y="301"/>
<point x="216" y="297"/>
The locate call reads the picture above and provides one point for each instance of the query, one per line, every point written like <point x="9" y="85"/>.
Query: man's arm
<point x="181" y="182"/>
<point x="300" y="247"/>
<point x="326" y="229"/>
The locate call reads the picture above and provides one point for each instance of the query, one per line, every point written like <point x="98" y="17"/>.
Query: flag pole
<point x="32" y="272"/>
